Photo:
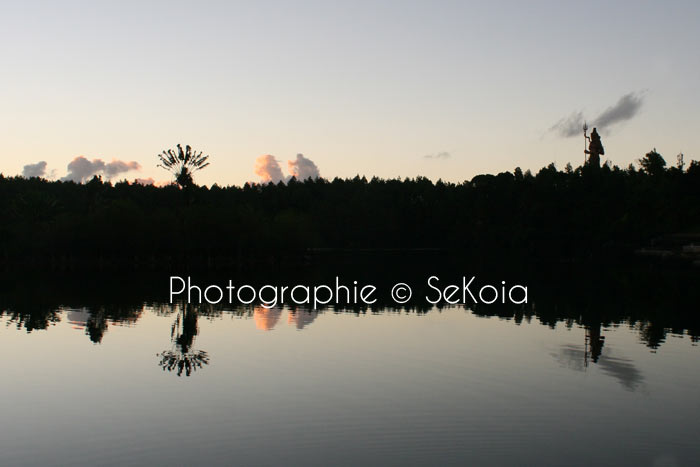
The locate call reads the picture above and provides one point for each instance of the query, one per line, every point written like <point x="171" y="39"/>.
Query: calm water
<point x="173" y="385"/>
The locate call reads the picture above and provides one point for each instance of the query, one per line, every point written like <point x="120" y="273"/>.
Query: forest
<point x="554" y="215"/>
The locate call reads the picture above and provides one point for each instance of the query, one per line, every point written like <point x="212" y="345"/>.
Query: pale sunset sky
<point x="361" y="87"/>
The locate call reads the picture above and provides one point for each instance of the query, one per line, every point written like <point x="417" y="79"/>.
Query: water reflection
<point x="594" y="343"/>
<point x="267" y="318"/>
<point x="301" y="318"/>
<point x="622" y="369"/>
<point x="182" y="357"/>
<point x="653" y="305"/>
<point x="526" y="385"/>
<point x="580" y="357"/>
<point x="95" y="321"/>
<point x="30" y="317"/>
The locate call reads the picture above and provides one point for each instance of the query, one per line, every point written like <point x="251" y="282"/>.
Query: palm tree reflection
<point x="182" y="357"/>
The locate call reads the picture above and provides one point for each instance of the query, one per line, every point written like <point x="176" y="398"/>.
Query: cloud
<point x="439" y="155"/>
<point x="303" y="168"/>
<point x="267" y="168"/>
<point x="81" y="169"/>
<point x="626" y="108"/>
<point x="34" y="170"/>
<point x="116" y="167"/>
<point x="569" y="126"/>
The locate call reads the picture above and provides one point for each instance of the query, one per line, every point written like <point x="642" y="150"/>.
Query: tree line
<point x="552" y="215"/>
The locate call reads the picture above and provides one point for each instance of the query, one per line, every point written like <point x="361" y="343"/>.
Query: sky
<point x="442" y="89"/>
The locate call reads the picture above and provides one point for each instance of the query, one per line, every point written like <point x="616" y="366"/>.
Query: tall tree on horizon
<point x="182" y="164"/>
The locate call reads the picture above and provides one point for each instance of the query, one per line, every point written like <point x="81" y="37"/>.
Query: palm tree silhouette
<point x="182" y="164"/>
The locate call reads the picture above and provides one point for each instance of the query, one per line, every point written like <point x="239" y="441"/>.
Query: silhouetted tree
<point x="182" y="164"/>
<point x="653" y="163"/>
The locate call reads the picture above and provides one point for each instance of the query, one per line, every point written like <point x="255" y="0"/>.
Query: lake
<point x="556" y="382"/>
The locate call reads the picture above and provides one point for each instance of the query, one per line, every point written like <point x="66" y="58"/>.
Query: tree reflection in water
<point x="182" y="357"/>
